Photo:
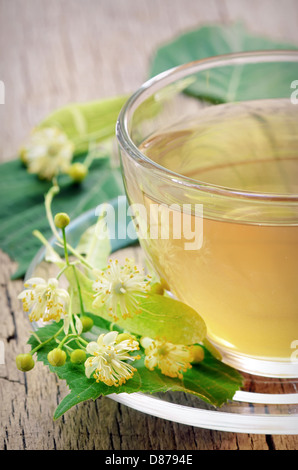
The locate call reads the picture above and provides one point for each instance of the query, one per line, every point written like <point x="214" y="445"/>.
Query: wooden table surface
<point x="58" y="51"/>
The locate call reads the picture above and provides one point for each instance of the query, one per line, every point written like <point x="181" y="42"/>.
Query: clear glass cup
<point x="209" y="153"/>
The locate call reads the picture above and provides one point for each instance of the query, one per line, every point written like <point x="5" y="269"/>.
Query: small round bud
<point x="197" y="354"/>
<point x="78" y="356"/>
<point x="124" y="337"/>
<point x="78" y="172"/>
<point x="61" y="220"/>
<point x="57" y="357"/>
<point x="25" y="362"/>
<point x="23" y="155"/>
<point x="87" y="323"/>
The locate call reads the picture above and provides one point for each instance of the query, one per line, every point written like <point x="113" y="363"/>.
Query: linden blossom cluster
<point x="110" y="358"/>
<point x="49" y="152"/>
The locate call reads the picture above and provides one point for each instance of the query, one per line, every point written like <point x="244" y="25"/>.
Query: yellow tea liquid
<point x="243" y="280"/>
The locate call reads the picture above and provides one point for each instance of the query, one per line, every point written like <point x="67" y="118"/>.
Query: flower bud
<point x="57" y="357"/>
<point x="87" y="323"/>
<point x="78" y="172"/>
<point x="61" y="220"/>
<point x="124" y="337"/>
<point x="22" y="155"/>
<point x="78" y="356"/>
<point x="25" y="362"/>
<point x="198" y="354"/>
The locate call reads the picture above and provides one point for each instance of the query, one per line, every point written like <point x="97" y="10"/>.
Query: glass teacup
<point x="209" y="154"/>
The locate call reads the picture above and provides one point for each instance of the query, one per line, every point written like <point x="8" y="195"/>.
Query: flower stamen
<point x="117" y="287"/>
<point x="44" y="300"/>
<point x="107" y="363"/>
<point x="172" y="359"/>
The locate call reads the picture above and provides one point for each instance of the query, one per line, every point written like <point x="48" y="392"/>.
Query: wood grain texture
<point x="53" y="53"/>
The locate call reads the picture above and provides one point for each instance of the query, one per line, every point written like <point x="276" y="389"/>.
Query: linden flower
<point x="171" y="359"/>
<point x="48" y="152"/>
<point x="116" y="288"/>
<point x="107" y="362"/>
<point x="45" y="300"/>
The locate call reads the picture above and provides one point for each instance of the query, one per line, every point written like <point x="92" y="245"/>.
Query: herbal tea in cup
<point x="213" y="186"/>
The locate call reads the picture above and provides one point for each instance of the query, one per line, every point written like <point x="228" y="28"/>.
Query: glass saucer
<point x="263" y="406"/>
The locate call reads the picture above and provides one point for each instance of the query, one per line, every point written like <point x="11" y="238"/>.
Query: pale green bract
<point x="86" y="123"/>
<point x="95" y="244"/>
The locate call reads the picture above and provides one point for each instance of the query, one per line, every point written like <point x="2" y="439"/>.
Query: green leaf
<point x="22" y="205"/>
<point x="228" y="83"/>
<point x="211" y="380"/>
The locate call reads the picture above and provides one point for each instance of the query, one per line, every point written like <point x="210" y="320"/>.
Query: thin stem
<point x="48" y="203"/>
<point x="79" y="290"/>
<point x="70" y="337"/>
<point x="78" y="339"/>
<point x="71" y="322"/>
<point x="95" y="151"/>
<point x="62" y="271"/>
<point x="82" y="340"/>
<point x="71" y="264"/>
<point x="46" y="341"/>
<point x="65" y="247"/>
<point x="66" y="338"/>
<point x="74" y="271"/>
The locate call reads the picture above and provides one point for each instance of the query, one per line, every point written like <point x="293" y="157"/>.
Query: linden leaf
<point x="224" y="83"/>
<point x="211" y="380"/>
